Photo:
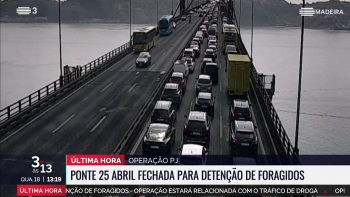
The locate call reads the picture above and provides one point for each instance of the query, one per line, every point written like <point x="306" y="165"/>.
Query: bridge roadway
<point x="94" y="118"/>
<point x="219" y="144"/>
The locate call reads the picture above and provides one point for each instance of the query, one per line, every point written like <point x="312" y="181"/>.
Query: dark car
<point x="243" y="138"/>
<point x="203" y="84"/>
<point x="204" y="62"/>
<point x="189" y="52"/>
<point x="164" y="112"/>
<point x="180" y="79"/>
<point x="181" y="67"/>
<point x="205" y="103"/>
<point x="159" y="138"/>
<point x="209" y="53"/>
<point x="212" y="69"/>
<point x="172" y="92"/>
<point x="183" y="17"/>
<point x="197" y="128"/>
<point x="143" y="60"/>
<point x="205" y="32"/>
<point x="240" y="110"/>
<point x="196" y="49"/>
<point x="200" y="15"/>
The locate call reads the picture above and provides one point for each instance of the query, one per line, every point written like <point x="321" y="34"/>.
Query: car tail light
<point x="170" y="81"/>
<point x="193" y="56"/>
<point x="183" y="55"/>
<point x="256" y="142"/>
<point x="207" y="132"/>
<point x="186" y="129"/>
<point x="234" y="141"/>
<point x="234" y="115"/>
<point x="250" y="116"/>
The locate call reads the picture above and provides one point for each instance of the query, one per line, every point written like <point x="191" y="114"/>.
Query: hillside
<point x="266" y="12"/>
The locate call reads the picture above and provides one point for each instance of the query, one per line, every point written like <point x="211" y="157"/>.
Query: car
<point x="195" y="42"/>
<point x="182" y="67"/>
<point x="201" y="14"/>
<point x="203" y="27"/>
<point x="193" y="154"/>
<point x="159" y="138"/>
<point x="200" y="38"/>
<point x="164" y="112"/>
<point x="209" y="53"/>
<point x="197" y="39"/>
<point x="212" y="69"/>
<point x="191" y="12"/>
<point x="243" y="138"/>
<point x="205" y="102"/>
<point x="190" y="63"/>
<point x="215" y="21"/>
<point x="213" y="47"/>
<point x="210" y="16"/>
<point x="183" y="17"/>
<point x="172" y="92"/>
<point x="205" y="32"/>
<point x="197" y="128"/>
<point x="143" y="60"/>
<point x="240" y="110"/>
<point x="211" y="37"/>
<point x="196" y="49"/>
<point x="204" y="62"/>
<point x="212" y="42"/>
<point x="215" y="26"/>
<point x="206" y="24"/>
<point x="200" y="33"/>
<point x="231" y="49"/>
<point x="212" y="31"/>
<point x="224" y="22"/>
<point x="203" y="84"/>
<point x="206" y="21"/>
<point x="189" y="52"/>
<point x="180" y="79"/>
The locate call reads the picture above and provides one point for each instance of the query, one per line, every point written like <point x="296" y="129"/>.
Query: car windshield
<point x="170" y="91"/>
<point x="155" y="133"/>
<point x="203" y="101"/>
<point x="241" y="110"/>
<point x="209" y="52"/>
<point x="194" y="46"/>
<point x="245" y="135"/>
<point x="179" y="68"/>
<point x="212" y="47"/>
<point x="176" y="79"/>
<point x="194" y="43"/>
<point x="188" y="52"/>
<point x="160" y="112"/>
<point x="191" y="160"/>
<point x="211" y="69"/>
<point x="188" y="61"/>
<point x="143" y="55"/>
<point x="196" y="125"/>
<point x="139" y="38"/>
<point x="211" y="31"/>
<point x="231" y="47"/>
<point x="204" y="81"/>
<point x="163" y="24"/>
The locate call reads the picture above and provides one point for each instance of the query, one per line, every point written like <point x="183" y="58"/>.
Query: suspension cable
<point x="251" y="35"/>
<point x="240" y="14"/>
<point x="296" y="149"/>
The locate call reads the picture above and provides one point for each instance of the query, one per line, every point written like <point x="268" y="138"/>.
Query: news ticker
<point x="197" y="190"/>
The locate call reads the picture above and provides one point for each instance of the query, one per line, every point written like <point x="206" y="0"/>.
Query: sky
<point x="308" y="1"/>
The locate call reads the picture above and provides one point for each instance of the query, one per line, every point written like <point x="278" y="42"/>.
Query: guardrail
<point x="136" y="128"/>
<point x="277" y="132"/>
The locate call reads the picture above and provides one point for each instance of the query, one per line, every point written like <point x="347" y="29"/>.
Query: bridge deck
<point x="95" y="117"/>
<point x="219" y="144"/>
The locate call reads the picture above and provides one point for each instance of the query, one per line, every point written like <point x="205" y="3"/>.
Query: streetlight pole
<point x="172" y="7"/>
<point x="296" y="148"/>
<point x="60" y="41"/>
<point x="130" y="19"/>
<point x="157" y="11"/>
<point x="251" y="40"/>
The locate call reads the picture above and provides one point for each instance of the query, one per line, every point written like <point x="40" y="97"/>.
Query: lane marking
<point x="220" y="122"/>
<point x="173" y="44"/>
<point x="191" y="107"/>
<point x="98" y="124"/>
<point x="131" y="67"/>
<point x="132" y="87"/>
<point x="63" y="123"/>
<point x="107" y="87"/>
<point x="220" y="66"/>
<point x="220" y="87"/>
<point x="63" y="99"/>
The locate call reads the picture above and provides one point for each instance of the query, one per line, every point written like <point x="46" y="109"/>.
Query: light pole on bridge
<point x="172" y="7"/>
<point x="130" y="18"/>
<point x="157" y="12"/>
<point x="60" y="41"/>
<point x="296" y="148"/>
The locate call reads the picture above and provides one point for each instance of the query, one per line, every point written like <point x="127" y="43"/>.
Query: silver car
<point x="143" y="60"/>
<point x="203" y="84"/>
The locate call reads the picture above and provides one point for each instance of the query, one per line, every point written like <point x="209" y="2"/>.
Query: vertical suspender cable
<point x="251" y="36"/>
<point x="60" y="41"/>
<point x="296" y="149"/>
<point x="130" y="20"/>
<point x="240" y="14"/>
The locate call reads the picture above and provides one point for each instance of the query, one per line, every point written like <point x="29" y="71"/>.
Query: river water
<point x="30" y="60"/>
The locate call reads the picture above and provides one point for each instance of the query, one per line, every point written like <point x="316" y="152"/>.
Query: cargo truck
<point x="238" y="74"/>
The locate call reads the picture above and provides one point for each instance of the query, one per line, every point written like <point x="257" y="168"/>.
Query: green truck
<point x="238" y="74"/>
